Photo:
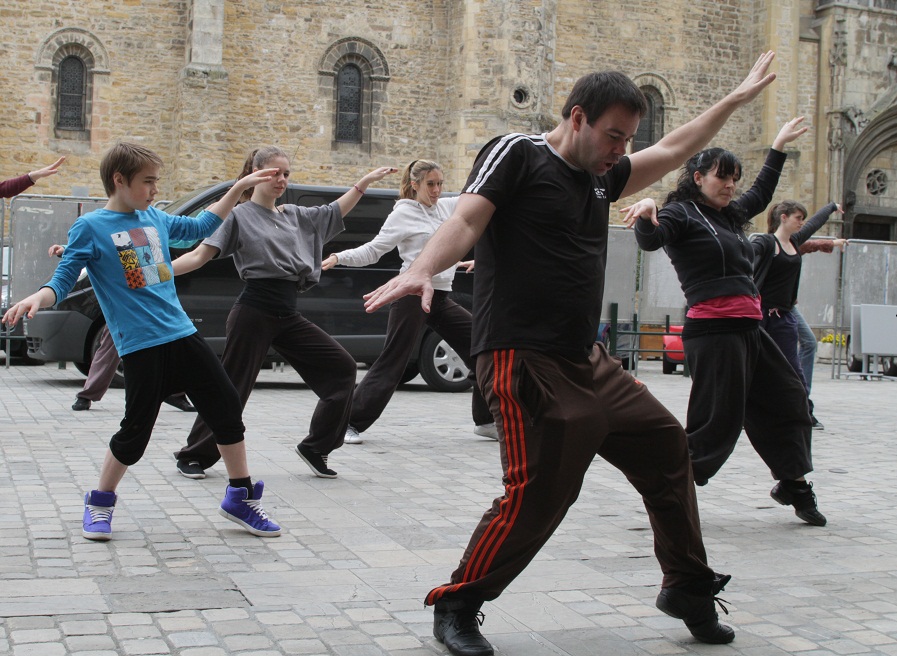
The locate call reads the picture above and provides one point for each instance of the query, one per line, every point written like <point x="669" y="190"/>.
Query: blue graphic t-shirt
<point x="126" y="257"/>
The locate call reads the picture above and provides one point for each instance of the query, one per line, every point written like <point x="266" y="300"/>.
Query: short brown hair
<point x="598" y="92"/>
<point x="125" y="158"/>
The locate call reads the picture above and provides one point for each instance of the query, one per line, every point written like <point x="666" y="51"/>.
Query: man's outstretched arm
<point x="651" y="164"/>
<point x="452" y="241"/>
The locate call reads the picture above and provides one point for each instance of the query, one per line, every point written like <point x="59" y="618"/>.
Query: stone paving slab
<point x="359" y="552"/>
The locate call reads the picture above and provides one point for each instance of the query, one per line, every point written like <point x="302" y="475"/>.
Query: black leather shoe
<point x="180" y="402"/>
<point x="456" y="624"/>
<point x="698" y="611"/>
<point x="81" y="404"/>
<point x="802" y="497"/>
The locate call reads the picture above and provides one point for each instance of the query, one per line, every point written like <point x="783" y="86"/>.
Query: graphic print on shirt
<point x="140" y="253"/>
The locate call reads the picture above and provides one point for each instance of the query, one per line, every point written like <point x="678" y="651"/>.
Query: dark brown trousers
<point x="554" y="415"/>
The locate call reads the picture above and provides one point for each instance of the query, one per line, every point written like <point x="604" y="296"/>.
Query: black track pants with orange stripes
<point x="554" y="415"/>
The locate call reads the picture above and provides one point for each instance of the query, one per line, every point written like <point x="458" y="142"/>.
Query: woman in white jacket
<point x="416" y="216"/>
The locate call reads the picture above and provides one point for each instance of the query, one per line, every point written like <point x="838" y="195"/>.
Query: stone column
<point x="202" y="104"/>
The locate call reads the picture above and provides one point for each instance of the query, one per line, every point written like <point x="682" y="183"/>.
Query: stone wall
<point x="459" y="72"/>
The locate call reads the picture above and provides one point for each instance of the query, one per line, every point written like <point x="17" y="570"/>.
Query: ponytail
<point x="415" y="172"/>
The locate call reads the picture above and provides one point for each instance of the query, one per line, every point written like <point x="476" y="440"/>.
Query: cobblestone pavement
<point x="359" y="552"/>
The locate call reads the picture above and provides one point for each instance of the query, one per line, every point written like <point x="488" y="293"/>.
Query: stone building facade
<point x="345" y="87"/>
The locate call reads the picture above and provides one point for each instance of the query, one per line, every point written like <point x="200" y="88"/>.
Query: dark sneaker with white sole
<point x="317" y="462"/>
<point x="698" y="611"/>
<point x="456" y="624"/>
<point x="191" y="469"/>
<point x="800" y="495"/>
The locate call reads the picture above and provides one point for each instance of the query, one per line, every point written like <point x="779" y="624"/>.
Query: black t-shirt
<point x="540" y="263"/>
<point x="780" y="285"/>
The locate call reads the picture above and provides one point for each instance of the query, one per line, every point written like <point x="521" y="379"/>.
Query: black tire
<point x="118" y="381"/>
<point x="442" y="368"/>
<point x="855" y="364"/>
<point x="669" y="367"/>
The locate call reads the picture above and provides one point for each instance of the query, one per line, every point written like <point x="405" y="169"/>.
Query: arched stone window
<point x="661" y="101"/>
<point x="71" y="94"/>
<point x="352" y="78"/>
<point x="69" y="62"/>
<point x="650" y="128"/>
<point x="349" y="91"/>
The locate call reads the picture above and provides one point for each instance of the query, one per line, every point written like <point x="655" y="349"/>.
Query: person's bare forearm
<point x="452" y="241"/>
<point x="651" y="164"/>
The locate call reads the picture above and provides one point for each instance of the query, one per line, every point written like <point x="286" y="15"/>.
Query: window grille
<point x="71" y="94"/>
<point x="349" y="90"/>
<point x="650" y="128"/>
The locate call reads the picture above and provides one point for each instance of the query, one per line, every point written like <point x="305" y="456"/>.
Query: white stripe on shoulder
<point x="497" y="154"/>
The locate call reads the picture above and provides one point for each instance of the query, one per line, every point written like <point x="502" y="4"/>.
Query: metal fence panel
<point x="660" y="294"/>
<point x="818" y="293"/>
<point x="622" y="272"/>
<point x="4" y="261"/>
<point x="869" y="275"/>
<point x="36" y="223"/>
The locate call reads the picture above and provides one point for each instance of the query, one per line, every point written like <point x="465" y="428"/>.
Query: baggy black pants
<point x="554" y="415"/>
<point x="741" y="379"/>
<point x="324" y="365"/>
<point x="406" y="319"/>
<point x="152" y="374"/>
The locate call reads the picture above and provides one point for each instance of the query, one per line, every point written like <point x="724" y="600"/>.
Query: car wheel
<point x="440" y="366"/>
<point x="118" y="380"/>
<point x="669" y="367"/>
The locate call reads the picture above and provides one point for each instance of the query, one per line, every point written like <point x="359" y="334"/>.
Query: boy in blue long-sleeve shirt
<point x="124" y="248"/>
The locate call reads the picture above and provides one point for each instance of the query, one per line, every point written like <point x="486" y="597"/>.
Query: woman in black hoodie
<point x="739" y="376"/>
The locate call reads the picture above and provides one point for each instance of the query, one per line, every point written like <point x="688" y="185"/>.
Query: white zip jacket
<point x="409" y="226"/>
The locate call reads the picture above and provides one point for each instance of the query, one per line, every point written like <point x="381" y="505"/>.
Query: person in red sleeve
<point x="15" y="186"/>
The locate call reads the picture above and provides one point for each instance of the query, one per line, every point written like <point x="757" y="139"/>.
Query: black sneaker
<point x="191" y="469"/>
<point x="81" y="404"/>
<point x="817" y="425"/>
<point x="698" y="611"/>
<point x="456" y="624"/>
<point x="801" y="496"/>
<point x="317" y="462"/>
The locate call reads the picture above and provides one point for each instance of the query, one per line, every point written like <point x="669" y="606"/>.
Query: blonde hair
<point x="415" y="172"/>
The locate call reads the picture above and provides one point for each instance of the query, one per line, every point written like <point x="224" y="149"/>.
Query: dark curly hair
<point x="725" y="164"/>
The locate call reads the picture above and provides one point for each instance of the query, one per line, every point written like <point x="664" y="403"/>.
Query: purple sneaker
<point x="98" y="507"/>
<point x="248" y="513"/>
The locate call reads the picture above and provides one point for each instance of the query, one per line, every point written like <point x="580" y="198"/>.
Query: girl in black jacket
<point x="739" y="376"/>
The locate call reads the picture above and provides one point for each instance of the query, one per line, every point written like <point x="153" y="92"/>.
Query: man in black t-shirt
<point x="537" y="209"/>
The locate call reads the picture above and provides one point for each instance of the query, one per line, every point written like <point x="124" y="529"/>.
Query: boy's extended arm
<point x="43" y="297"/>
<point x="651" y="164"/>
